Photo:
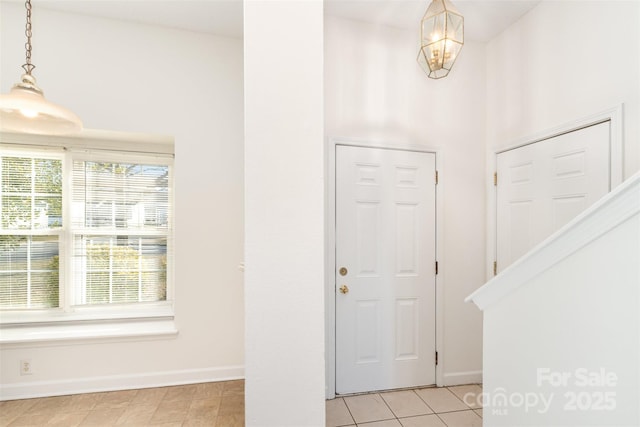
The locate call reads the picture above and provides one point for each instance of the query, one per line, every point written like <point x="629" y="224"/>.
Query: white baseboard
<point x="460" y="378"/>
<point x="27" y="390"/>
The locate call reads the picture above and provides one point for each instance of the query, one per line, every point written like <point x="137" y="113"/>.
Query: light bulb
<point x="32" y="114"/>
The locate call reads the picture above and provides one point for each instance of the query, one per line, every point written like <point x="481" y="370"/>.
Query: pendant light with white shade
<point x="24" y="108"/>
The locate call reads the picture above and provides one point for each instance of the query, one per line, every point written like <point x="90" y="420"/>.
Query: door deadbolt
<point x="343" y="271"/>
<point x="344" y="289"/>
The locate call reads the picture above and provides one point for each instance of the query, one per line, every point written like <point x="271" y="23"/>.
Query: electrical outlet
<point x="26" y="367"/>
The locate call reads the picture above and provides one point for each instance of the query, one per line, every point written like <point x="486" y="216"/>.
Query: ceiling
<point x="222" y="17"/>
<point x="484" y="19"/>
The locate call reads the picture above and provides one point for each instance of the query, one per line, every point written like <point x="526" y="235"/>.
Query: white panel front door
<point x="385" y="278"/>
<point x="542" y="186"/>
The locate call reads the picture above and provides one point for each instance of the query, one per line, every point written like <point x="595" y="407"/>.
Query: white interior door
<point x="385" y="278"/>
<point x="542" y="186"/>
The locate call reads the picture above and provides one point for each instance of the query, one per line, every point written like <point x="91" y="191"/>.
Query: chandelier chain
<point x="28" y="66"/>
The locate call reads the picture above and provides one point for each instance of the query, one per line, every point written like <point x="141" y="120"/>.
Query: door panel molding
<point x="330" y="255"/>
<point x="615" y="117"/>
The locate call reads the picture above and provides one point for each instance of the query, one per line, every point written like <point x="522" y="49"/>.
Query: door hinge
<point x="436" y="357"/>
<point x="436" y="177"/>
<point x="495" y="268"/>
<point x="436" y="267"/>
<point x="495" y="178"/>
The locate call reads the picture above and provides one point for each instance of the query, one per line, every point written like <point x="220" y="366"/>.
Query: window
<point x="84" y="233"/>
<point x="30" y="224"/>
<point x="119" y="223"/>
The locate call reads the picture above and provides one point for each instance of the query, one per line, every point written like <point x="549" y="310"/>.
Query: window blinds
<point x="30" y="212"/>
<point x="96" y="231"/>
<point x="120" y="219"/>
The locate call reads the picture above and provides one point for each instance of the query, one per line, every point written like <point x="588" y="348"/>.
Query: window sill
<point x="102" y="324"/>
<point x="115" y="330"/>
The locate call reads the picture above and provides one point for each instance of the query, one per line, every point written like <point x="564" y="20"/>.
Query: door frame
<point x="613" y="115"/>
<point x="330" y="254"/>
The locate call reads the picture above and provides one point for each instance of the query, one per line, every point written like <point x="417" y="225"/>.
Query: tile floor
<point x="219" y="404"/>
<point x="423" y="407"/>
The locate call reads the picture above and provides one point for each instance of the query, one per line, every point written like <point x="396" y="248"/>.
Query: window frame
<point x="107" y="320"/>
<point x="58" y="232"/>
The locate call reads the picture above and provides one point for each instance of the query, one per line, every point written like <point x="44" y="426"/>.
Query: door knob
<point x="344" y="289"/>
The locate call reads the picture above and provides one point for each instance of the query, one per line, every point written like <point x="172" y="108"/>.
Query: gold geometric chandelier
<point x="441" y="38"/>
<point x="24" y="108"/>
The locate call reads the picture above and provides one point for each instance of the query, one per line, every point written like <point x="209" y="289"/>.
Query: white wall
<point x="573" y="318"/>
<point x="284" y="213"/>
<point x="563" y="61"/>
<point x="130" y="77"/>
<point x="376" y="92"/>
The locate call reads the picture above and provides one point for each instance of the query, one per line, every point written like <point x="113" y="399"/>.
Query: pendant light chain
<point x="28" y="66"/>
<point x="25" y="110"/>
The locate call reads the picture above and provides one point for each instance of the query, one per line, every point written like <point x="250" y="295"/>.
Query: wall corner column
<point x="284" y="213"/>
